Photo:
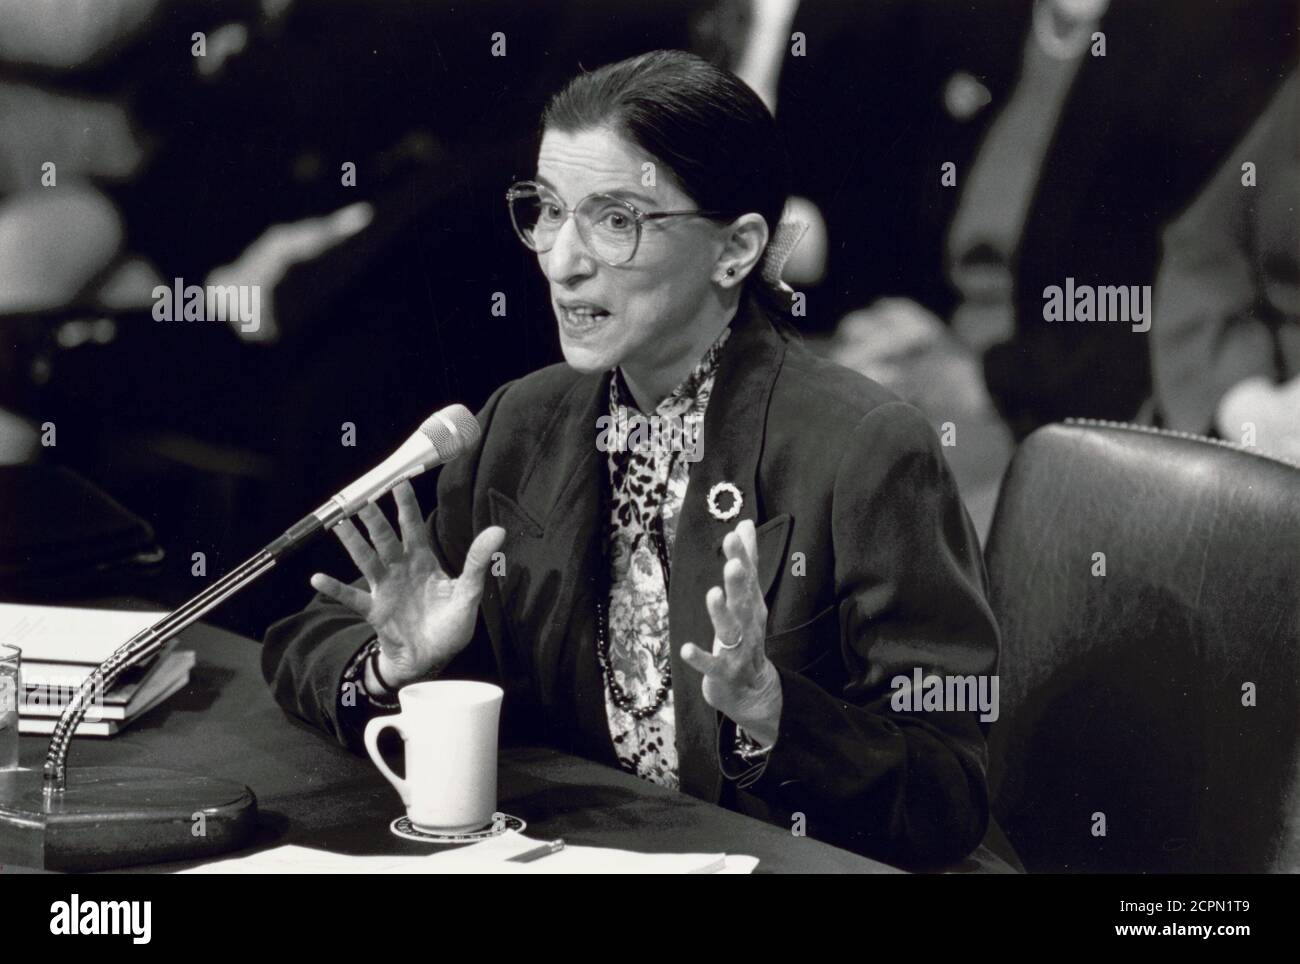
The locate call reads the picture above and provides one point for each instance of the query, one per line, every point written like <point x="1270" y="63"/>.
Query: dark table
<point x="312" y="792"/>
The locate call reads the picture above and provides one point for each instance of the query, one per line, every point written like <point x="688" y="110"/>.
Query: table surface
<point x="313" y="792"/>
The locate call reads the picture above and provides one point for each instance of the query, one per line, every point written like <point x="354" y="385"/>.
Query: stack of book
<point x="61" y="646"/>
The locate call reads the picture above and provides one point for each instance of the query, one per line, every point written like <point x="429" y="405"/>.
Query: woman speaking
<point x="694" y="550"/>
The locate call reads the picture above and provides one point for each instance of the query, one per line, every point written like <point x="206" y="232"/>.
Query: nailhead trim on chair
<point x="1191" y="436"/>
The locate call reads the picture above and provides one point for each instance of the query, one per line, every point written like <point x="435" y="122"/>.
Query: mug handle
<point x="373" y="729"/>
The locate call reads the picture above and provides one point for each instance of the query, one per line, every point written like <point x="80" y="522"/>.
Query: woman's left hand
<point x="740" y="682"/>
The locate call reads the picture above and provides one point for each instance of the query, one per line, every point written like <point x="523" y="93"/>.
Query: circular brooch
<point x="733" y="510"/>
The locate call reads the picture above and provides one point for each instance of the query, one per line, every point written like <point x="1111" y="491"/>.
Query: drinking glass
<point x="11" y="658"/>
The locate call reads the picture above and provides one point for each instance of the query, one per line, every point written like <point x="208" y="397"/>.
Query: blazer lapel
<point x="562" y="507"/>
<point x="733" y="439"/>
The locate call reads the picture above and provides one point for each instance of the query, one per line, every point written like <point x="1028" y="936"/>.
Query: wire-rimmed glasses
<point x="609" y="226"/>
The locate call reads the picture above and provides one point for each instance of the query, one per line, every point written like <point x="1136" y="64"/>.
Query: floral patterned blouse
<point x="649" y="468"/>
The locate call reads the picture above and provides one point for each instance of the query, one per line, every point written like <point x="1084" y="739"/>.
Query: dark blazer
<point x="868" y="560"/>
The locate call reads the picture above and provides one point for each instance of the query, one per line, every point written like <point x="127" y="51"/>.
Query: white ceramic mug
<point x="450" y="731"/>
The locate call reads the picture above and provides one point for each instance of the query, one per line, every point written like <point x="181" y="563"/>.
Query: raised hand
<point x="422" y="616"/>
<point x="739" y="680"/>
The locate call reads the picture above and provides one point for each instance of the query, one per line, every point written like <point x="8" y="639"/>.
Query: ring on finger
<point x="738" y="641"/>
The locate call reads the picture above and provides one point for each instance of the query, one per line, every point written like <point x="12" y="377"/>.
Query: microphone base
<point x="111" y="817"/>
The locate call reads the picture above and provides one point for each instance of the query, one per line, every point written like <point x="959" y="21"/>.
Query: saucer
<point x="402" y="827"/>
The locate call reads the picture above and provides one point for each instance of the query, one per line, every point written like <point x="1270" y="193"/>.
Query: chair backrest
<point x="1148" y="588"/>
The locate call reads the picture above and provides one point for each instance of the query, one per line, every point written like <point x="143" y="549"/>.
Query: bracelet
<point x="749" y="750"/>
<point x="374" y="664"/>
<point x="355" y="675"/>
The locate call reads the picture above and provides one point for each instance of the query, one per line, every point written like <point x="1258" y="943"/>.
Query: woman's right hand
<point x="422" y="616"/>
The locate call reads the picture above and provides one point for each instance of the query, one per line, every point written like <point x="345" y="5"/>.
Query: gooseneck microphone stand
<point x="134" y="651"/>
<point x="148" y="641"/>
<point x="115" y="816"/>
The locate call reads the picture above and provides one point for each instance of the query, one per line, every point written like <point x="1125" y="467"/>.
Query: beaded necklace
<point x="620" y="697"/>
<point x="655" y="531"/>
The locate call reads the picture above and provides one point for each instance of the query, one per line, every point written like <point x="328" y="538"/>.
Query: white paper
<point x="491" y="857"/>
<point x="67" y="634"/>
<point x="303" y="860"/>
<point x="487" y="857"/>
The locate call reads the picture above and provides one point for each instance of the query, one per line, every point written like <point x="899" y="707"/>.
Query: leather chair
<point x="1127" y="697"/>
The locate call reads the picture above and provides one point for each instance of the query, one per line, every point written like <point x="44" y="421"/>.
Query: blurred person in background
<point x="964" y="157"/>
<point x="1118" y="112"/>
<point x="59" y="135"/>
<point x="75" y="87"/>
<point x="1226" y="337"/>
<point x="241" y="180"/>
<point x="1065" y="163"/>
<point x="93" y="97"/>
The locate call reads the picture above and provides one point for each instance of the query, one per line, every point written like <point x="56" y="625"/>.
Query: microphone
<point x="443" y="436"/>
<point x="143" y="819"/>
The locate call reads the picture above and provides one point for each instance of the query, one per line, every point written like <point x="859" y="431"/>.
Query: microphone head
<point x="452" y="430"/>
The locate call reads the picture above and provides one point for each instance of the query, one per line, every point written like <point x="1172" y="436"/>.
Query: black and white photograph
<point x="630" y="437"/>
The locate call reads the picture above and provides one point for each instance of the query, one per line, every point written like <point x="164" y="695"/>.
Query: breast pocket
<point x="810" y="644"/>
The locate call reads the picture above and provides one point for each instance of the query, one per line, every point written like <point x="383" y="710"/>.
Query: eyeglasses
<point x="609" y="226"/>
